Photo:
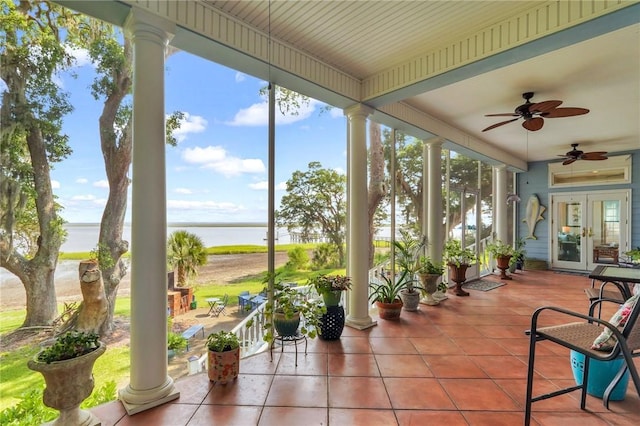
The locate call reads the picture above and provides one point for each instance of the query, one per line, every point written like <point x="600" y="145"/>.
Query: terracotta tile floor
<point x="460" y="363"/>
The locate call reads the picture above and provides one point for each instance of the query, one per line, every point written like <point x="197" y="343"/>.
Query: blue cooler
<point x="601" y="373"/>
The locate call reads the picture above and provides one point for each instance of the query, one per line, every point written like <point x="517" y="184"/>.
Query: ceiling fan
<point x="576" y="154"/>
<point x="533" y="113"/>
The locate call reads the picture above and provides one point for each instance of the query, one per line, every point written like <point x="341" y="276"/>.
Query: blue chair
<point x="243" y="298"/>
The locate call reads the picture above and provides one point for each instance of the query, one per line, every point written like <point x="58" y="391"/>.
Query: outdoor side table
<point x="332" y="323"/>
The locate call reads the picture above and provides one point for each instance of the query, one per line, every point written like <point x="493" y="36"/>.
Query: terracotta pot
<point x="458" y="274"/>
<point x="503" y="262"/>
<point x="389" y="311"/>
<point x="69" y="382"/>
<point x="223" y="367"/>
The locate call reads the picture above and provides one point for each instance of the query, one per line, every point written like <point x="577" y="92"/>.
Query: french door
<point x="589" y="229"/>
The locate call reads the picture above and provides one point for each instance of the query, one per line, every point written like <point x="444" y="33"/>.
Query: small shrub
<point x="29" y="411"/>
<point x="326" y="256"/>
<point x="298" y="258"/>
<point x="176" y="341"/>
<point x="105" y="393"/>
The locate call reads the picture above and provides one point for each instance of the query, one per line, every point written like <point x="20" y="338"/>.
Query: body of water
<point x="84" y="237"/>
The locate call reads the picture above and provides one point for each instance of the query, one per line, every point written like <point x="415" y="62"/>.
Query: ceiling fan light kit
<point x="535" y="113"/>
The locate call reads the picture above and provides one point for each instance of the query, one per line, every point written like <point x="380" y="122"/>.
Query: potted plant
<point x="175" y="344"/>
<point x="407" y="251"/>
<point x="385" y="293"/>
<point x="633" y="255"/>
<point x="517" y="260"/>
<point x="284" y="313"/>
<point x="330" y="287"/>
<point x="458" y="260"/>
<point x="429" y="273"/>
<point x="223" y="357"/>
<point x="502" y="253"/>
<point x="67" y="366"/>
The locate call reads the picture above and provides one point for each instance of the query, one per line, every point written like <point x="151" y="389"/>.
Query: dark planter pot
<point x="332" y="323"/>
<point x="286" y="327"/>
<point x="389" y="311"/>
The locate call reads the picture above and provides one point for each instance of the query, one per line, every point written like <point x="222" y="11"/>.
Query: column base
<point x="360" y="323"/>
<point x="137" y="401"/>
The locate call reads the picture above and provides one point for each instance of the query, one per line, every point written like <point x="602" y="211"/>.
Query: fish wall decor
<point x="533" y="215"/>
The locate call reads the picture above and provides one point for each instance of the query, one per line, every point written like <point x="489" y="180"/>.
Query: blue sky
<point x="218" y="171"/>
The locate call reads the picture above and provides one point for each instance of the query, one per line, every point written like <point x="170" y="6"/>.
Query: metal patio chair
<point x="219" y="308"/>
<point x="579" y="336"/>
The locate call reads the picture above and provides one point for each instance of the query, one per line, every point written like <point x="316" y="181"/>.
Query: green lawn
<point x="16" y="378"/>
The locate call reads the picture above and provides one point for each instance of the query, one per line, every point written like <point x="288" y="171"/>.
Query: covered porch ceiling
<point x="434" y="68"/>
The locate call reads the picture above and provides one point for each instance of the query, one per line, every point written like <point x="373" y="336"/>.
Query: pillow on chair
<point x="606" y="341"/>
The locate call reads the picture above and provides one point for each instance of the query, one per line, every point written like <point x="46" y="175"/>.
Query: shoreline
<point x="219" y="269"/>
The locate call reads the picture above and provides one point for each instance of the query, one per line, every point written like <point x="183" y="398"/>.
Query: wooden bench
<point x="191" y="331"/>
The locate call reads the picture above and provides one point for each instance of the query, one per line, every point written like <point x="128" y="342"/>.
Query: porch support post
<point x="434" y="195"/>
<point x="150" y="384"/>
<point x="358" y="248"/>
<point x="500" y="204"/>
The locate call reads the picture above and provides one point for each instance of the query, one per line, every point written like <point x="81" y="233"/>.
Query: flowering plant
<point x="329" y="283"/>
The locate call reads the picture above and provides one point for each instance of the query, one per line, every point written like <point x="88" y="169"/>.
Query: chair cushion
<point x="606" y="341"/>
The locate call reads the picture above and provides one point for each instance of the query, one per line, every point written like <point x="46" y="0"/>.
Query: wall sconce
<point x="566" y="229"/>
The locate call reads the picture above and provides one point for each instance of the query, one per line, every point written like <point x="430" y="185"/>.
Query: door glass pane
<point x="605" y="231"/>
<point x="568" y="230"/>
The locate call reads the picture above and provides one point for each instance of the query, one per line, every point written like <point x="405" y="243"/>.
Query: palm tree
<point x="186" y="252"/>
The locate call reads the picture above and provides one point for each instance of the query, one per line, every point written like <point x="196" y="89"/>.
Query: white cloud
<point x="55" y="184"/>
<point x="87" y="197"/>
<point x="81" y="56"/>
<point x="189" y="124"/>
<point x="336" y="113"/>
<point x="264" y="185"/>
<point x="216" y="158"/>
<point x="240" y="77"/>
<point x="183" y="191"/>
<point x="101" y="184"/>
<point x="82" y="180"/>
<point x="258" y="115"/>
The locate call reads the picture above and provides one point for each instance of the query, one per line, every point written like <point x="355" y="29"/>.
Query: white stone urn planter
<point x="68" y="383"/>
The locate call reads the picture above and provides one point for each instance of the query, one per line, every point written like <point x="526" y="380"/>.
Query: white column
<point x="500" y="204"/>
<point x="150" y="385"/>
<point x="358" y="248"/>
<point x="434" y="194"/>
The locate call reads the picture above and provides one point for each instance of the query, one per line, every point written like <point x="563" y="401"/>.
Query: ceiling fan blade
<point x="569" y="161"/>
<point x="504" y="114"/>
<point x="600" y="155"/>
<point x="498" y="124"/>
<point x="544" y="107"/>
<point x="565" y="112"/>
<point x="533" y="124"/>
